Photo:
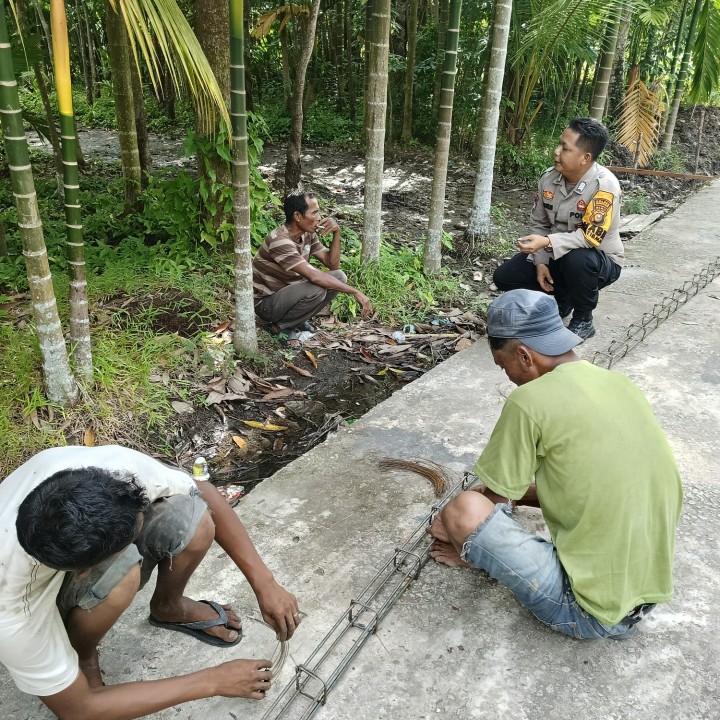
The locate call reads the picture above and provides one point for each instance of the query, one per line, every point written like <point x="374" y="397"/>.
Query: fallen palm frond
<point x="436" y="474"/>
<point x="638" y="125"/>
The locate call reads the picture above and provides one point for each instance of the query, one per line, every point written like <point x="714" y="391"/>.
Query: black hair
<point x="593" y="134"/>
<point x="296" y="201"/>
<point x="77" y="518"/>
<point x="500" y="343"/>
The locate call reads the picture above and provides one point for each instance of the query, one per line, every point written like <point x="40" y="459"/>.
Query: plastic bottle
<point x="200" y="469"/>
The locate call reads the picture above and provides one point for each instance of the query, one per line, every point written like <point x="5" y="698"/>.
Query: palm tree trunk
<point x="37" y="65"/>
<point x="682" y="75"/>
<point x="412" y="12"/>
<point x="675" y="59"/>
<point x="212" y="28"/>
<point x="245" y="335"/>
<point x="433" y="246"/>
<point x="602" y="77"/>
<point x="141" y="130"/>
<point x="90" y="46"/>
<point x="292" y="163"/>
<point x="119" y="55"/>
<point x="83" y="53"/>
<point x="369" y="30"/>
<point x="443" y="6"/>
<point x="347" y="30"/>
<point x="617" y="85"/>
<point x="59" y="380"/>
<point x="285" y="58"/>
<point x="375" y="108"/>
<point x="479" y="226"/>
<point x="79" y="317"/>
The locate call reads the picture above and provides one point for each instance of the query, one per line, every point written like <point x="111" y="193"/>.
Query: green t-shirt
<point x="606" y="480"/>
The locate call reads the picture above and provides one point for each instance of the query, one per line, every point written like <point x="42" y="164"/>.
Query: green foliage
<point x="523" y="164"/>
<point x="324" y="125"/>
<point x="398" y="286"/>
<point x="636" y="203"/>
<point x="672" y="160"/>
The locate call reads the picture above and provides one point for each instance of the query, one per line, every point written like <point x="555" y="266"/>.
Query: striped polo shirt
<point x="274" y="262"/>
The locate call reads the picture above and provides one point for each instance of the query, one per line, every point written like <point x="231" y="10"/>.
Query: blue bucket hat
<point x="533" y="318"/>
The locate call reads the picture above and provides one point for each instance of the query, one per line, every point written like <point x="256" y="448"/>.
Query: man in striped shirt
<point x="288" y="290"/>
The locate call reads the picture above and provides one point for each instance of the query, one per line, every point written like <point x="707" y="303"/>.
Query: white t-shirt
<point x="34" y="645"/>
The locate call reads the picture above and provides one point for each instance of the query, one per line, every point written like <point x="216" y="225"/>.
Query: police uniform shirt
<point x="584" y="216"/>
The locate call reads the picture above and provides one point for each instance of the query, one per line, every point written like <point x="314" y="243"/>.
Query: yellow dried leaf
<point x="240" y="442"/>
<point x="89" y="437"/>
<point x="312" y="358"/>
<point x="264" y="426"/>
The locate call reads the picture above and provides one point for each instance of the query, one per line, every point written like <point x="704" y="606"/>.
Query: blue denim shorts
<point x="169" y="526"/>
<point x="529" y="566"/>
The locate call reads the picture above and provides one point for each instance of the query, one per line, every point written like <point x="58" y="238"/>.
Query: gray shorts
<point x="169" y="526"/>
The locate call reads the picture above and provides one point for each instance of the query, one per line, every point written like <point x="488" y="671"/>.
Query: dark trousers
<point x="578" y="277"/>
<point x="292" y="305"/>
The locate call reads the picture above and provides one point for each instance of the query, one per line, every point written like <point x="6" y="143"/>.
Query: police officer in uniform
<point x="574" y="247"/>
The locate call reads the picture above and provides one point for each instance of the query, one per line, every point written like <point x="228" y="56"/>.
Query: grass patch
<point x="147" y="327"/>
<point x="398" y="286"/>
<point x="636" y="203"/>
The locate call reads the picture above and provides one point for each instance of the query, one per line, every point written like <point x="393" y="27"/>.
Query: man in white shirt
<point x="81" y="531"/>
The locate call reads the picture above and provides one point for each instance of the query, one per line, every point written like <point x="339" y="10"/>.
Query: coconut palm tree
<point x="412" y="13"/>
<point x="682" y="75"/>
<point x="432" y="254"/>
<point x="479" y="223"/>
<point x="245" y="336"/>
<point x="378" y="31"/>
<point x="59" y="380"/>
<point x="604" y="71"/>
<point x="79" y="317"/>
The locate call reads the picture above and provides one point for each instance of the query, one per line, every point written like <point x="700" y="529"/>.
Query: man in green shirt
<point x="604" y="478"/>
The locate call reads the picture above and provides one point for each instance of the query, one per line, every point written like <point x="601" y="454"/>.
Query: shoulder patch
<point x="598" y="217"/>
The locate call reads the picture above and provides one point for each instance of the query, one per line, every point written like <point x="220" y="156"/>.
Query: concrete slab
<point x="457" y="644"/>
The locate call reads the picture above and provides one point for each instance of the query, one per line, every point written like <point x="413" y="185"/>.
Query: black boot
<point x="564" y="307"/>
<point x="582" y="325"/>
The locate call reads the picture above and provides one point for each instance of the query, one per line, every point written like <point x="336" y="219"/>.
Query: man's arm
<point x="279" y="607"/>
<point x="330" y="257"/>
<point x="325" y="280"/>
<point x="238" y="678"/>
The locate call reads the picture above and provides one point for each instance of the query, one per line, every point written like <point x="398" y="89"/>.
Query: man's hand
<point x="279" y="608"/>
<point x="532" y="243"/>
<point x="327" y="225"/>
<point x="243" y="678"/>
<point x="365" y="304"/>
<point x="544" y="278"/>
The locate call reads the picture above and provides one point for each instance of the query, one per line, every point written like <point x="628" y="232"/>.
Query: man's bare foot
<point x="187" y="610"/>
<point x="446" y="554"/>
<point x="91" y="669"/>
<point x="437" y="529"/>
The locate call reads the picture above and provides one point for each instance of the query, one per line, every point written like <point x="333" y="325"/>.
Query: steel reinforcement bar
<point x="309" y="689"/>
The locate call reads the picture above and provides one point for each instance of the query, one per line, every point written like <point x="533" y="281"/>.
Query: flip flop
<point x="196" y="628"/>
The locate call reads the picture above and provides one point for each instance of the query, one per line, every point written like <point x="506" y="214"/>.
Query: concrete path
<point x="457" y="645"/>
